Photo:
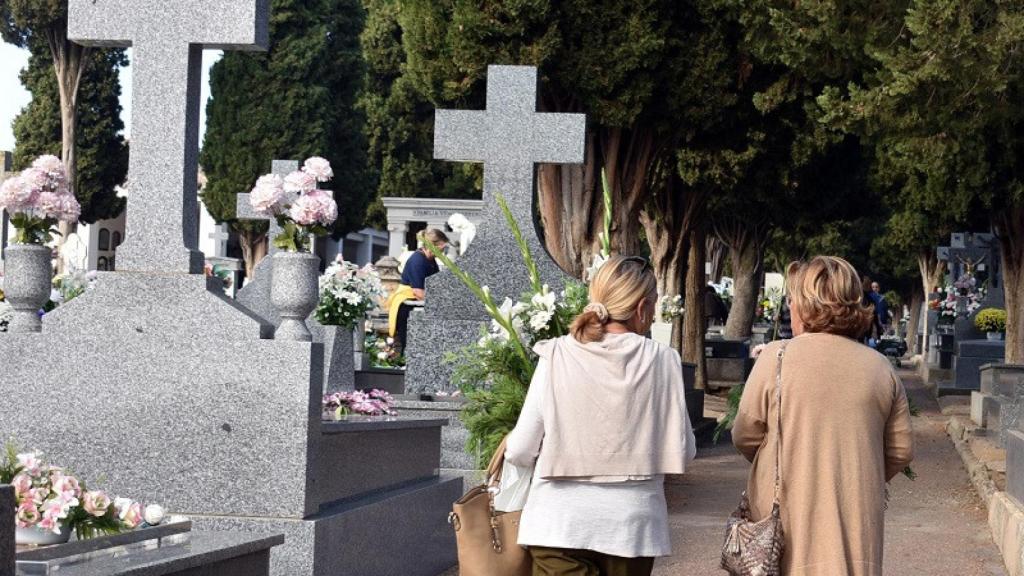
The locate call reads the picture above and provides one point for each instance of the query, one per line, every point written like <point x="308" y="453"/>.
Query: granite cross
<point x="220" y="236"/>
<point x="510" y="137"/>
<point x="168" y="37"/>
<point x="244" y="210"/>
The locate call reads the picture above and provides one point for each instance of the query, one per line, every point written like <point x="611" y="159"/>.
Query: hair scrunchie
<point x="599" y="309"/>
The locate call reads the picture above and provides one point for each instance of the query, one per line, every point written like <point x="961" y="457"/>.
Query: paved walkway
<point x="935" y="525"/>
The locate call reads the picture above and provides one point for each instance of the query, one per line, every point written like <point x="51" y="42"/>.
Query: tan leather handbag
<point x="487" y="539"/>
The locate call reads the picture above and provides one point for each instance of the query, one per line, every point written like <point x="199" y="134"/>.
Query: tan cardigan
<point x="614" y="410"/>
<point x="846" y="431"/>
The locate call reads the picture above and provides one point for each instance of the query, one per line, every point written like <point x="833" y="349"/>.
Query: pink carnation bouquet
<point x="37" y="199"/>
<point x="295" y="202"/>
<point x="372" y="403"/>
<point x="50" y="498"/>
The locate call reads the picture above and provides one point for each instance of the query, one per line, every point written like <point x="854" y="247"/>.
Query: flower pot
<point x="35" y="536"/>
<point x="994" y="336"/>
<point x="27" y="277"/>
<point x="294" y="291"/>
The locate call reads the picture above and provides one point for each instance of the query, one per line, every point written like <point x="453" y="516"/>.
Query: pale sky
<point x="14" y="97"/>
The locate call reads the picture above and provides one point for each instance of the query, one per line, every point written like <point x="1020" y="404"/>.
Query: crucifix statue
<point x="168" y="38"/>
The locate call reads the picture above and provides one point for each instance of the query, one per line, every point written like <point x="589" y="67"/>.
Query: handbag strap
<point x="494" y="469"/>
<point x="778" y="401"/>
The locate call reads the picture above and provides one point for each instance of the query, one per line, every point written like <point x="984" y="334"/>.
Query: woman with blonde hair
<point x="420" y="266"/>
<point x="844" y="433"/>
<point x="604" y="421"/>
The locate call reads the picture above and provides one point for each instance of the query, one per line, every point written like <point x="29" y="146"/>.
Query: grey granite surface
<point x="295" y="292"/>
<point x="374" y="423"/>
<point x="403" y="532"/>
<point x="1015" y="465"/>
<point x="220" y="553"/>
<point x="510" y="138"/>
<point x="339" y="358"/>
<point x="27" y="284"/>
<point x="7" y="508"/>
<point x="167" y="39"/>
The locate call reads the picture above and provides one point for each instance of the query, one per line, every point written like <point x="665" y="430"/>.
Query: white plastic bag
<point x="514" y="488"/>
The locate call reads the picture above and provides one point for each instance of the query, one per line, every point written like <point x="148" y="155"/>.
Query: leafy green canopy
<point x="295" y="101"/>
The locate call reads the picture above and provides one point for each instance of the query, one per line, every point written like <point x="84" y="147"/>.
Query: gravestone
<point x="339" y="356"/>
<point x="181" y="395"/>
<point x="510" y="138"/>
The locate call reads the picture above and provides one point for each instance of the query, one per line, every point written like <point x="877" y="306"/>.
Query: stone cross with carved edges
<point x="510" y="138"/>
<point x="244" y="210"/>
<point x="168" y="37"/>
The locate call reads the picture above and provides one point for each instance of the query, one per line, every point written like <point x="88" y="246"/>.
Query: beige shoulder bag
<point x="487" y="539"/>
<point x="755" y="548"/>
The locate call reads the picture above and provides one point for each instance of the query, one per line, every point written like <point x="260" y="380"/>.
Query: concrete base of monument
<point x="404" y="531"/>
<point x="390" y="380"/>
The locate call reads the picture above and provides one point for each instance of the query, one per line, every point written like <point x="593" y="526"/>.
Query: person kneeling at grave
<point x="420" y="266"/>
<point x="603" y="422"/>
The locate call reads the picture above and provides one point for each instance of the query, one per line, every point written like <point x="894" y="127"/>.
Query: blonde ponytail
<point x="616" y="290"/>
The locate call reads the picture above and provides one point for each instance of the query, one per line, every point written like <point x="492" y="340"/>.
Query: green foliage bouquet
<point x="495" y="372"/>
<point x="991" y="320"/>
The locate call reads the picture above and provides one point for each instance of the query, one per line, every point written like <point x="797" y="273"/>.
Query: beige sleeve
<point x="751" y="423"/>
<point x="899" y="436"/>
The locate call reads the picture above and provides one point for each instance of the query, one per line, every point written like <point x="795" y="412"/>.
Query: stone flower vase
<point x="27" y="279"/>
<point x="295" y="291"/>
<point x="994" y="336"/>
<point x="35" y="536"/>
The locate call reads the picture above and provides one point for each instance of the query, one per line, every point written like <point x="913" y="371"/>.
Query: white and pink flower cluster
<point x="347" y="292"/>
<point x="372" y="403"/>
<point x="296" y="196"/>
<point x="47" y="496"/>
<point x="41" y="192"/>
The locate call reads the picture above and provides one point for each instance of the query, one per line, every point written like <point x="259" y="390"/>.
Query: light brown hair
<point x="616" y="290"/>
<point x="434" y="236"/>
<point x="828" y="294"/>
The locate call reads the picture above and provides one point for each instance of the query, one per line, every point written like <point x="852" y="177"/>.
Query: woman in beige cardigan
<point x="605" y="419"/>
<point x="845" y="428"/>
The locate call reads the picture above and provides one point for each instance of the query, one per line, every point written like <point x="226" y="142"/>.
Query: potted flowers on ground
<point x="670" y="308"/>
<point x="302" y="211"/>
<point x="347" y="293"/>
<point x="52" y="503"/>
<point x="37" y="200"/>
<point x="991" y="321"/>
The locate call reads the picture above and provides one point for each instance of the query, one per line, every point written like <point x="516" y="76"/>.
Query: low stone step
<point x="360" y="456"/>
<point x="389" y="380"/>
<point x="370" y="536"/>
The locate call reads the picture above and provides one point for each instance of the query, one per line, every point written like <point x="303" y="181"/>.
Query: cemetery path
<point x="935" y="525"/>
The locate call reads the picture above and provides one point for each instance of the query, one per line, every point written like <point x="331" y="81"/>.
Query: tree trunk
<point x="1009" y="226"/>
<point x="569" y="197"/>
<point x="916" y="304"/>
<point x="694" y="327"/>
<point x="69" y="64"/>
<point x="931" y="271"/>
<point x="716" y="252"/>
<point x="254" y="248"/>
<point x="746" y="243"/>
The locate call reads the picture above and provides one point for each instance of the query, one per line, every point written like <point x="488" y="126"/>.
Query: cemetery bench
<point x="997" y="406"/>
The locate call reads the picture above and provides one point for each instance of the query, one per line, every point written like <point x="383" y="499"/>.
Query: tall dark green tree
<point x="294" y="101"/>
<point x="101" y="150"/>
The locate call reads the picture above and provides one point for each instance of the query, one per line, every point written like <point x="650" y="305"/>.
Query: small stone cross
<point x="510" y="138"/>
<point x="221" y="237"/>
<point x="244" y="211"/>
<point x="168" y="37"/>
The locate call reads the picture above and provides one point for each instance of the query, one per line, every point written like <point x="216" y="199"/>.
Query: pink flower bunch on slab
<point x="37" y="199"/>
<point x="372" y="403"/>
<point x="299" y="207"/>
<point x="52" y="499"/>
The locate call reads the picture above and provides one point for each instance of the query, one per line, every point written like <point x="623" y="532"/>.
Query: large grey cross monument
<point x="181" y="396"/>
<point x="510" y="138"/>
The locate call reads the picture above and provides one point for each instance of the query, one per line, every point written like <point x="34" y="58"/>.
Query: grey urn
<point x="295" y="291"/>
<point x="28" y="274"/>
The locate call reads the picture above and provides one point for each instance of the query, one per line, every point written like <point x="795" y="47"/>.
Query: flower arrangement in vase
<point x="302" y="211"/>
<point x="670" y="308"/>
<point x="52" y="503"/>
<point x="384" y="352"/>
<point x="37" y="200"/>
<point x="373" y="403"/>
<point x="347" y="293"/>
<point x="992" y="321"/>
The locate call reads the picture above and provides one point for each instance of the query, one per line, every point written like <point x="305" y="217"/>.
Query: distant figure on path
<point x="605" y="419"/>
<point x="874" y="330"/>
<point x="420" y="266"/>
<point x="845" y="428"/>
<point x="881" y="308"/>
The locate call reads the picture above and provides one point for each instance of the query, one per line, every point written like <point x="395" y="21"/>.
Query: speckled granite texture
<point x="167" y="39"/>
<point x="6" y="530"/>
<point x="509" y="138"/>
